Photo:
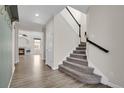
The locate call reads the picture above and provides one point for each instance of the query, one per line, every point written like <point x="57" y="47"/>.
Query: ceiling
<point x="28" y="19"/>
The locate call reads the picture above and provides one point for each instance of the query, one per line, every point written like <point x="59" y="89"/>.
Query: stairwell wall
<point x="106" y="28"/>
<point x="49" y="41"/>
<point x="65" y="39"/>
<point x="81" y="18"/>
<point x="64" y="35"/>
<point x="5" y="48"/>
<point x="15" y="26"/>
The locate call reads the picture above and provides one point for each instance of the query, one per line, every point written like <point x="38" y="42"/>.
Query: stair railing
<point x="76" y="22"/>
<point x="91" y="42"/>
<point x="96" y="45"/>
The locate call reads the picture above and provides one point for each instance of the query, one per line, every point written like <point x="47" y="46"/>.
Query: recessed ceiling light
<point x="36" y="14"/>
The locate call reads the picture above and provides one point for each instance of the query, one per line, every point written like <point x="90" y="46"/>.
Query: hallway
<point x="31" y="72"/>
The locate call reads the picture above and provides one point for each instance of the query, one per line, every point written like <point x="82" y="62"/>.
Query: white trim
<point x="52" y="67"/>
<point x="16" y="62"/>
<point x="104" y="79"/>
<point x="114" y="85"/>
<point x="55" y="68"/>
<point x="11" y="77"/>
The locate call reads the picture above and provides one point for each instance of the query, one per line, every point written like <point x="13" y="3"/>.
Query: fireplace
<point x="21" y="51"/>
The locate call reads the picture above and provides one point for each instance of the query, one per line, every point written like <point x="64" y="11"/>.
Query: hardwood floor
<point x="31" y="72"/>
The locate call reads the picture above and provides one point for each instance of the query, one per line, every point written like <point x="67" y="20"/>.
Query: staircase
<point x="77" y="66"/>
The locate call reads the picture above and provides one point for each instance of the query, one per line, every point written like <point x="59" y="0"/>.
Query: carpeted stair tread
<point x="83" y="77"/>
<point x="79" y="51"/>
<point x="78" y="67"/>
<point x="80" y="48"/>
<point x="77" y="61"/>
<point x="81" y="45"/>
<point x="80" y="56"/>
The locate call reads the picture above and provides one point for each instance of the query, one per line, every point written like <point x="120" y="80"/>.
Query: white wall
<point x="83" y="26"/>
<point x="28" y="42"/>
<point x="77" y="14"/>
<point x="71" y="22"/>
<point x="49" y="35"/>
<point x="15" y="42"/>
<point x="65" y="39"/>
<point x="44" y="42"/>
<point x="80" y="17"/>
<point x="5" y="48"/>
<point x="62" y="36"/>
<point x="106" y="28"/>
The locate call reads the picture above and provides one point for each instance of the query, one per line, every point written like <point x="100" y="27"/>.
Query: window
<point x="37" y="43"/>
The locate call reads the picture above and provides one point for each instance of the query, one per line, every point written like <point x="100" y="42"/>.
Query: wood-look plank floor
<point x="31" y="72"/>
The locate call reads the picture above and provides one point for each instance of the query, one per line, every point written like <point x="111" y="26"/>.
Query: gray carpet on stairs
<point x="76" y="66"/>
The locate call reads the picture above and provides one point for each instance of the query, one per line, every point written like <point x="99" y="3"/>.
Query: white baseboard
<point x="11" y="77"/>
<point x="104" y="79"/>
<point x="54" y="68"/>
<point x="16" y="62"/>
<point x="114" y="85"/>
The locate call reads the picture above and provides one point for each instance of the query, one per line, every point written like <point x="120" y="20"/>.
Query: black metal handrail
<point x="96" y="45"/>
<point x="75" y="21"/>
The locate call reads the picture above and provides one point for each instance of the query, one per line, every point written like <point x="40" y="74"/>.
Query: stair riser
<point x="79" y="52"/>
<point x="81" y="79"/>
<point x="78" y="48"/>
<point x="82" y="45"/>
<point x="68" y="73"/>
<point x="77" y="56"/>
<point x="77" y="61"/>
<point x="83" y="70"/>
<point x="77" y="66"/>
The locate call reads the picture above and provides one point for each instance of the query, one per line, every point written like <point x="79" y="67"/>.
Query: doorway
<point x="37" y="46"/>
